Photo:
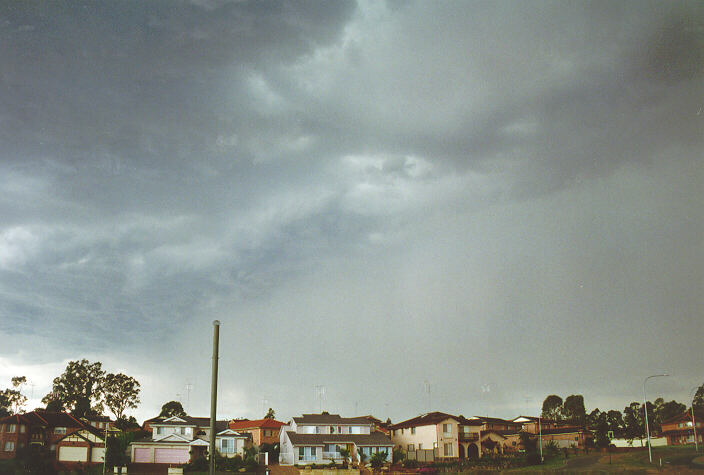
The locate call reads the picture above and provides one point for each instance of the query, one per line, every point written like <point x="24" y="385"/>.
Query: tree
<point x="601" y="430"/>
<point x="593" y="419"/>
<point x="573" y="409"/>
<point x="668" y="410"/>
<point x="615" y="420"/>
<point x="79" y="388"/>
<point x="552" y="408"/>
<point x="698" y="401"/>
<point x="633" y="421"/>
<point x="121" y="393"/>
<point x="171" y="409"/>
<point x="270" y="414"/>
<point x="378" y="459"/>
<point x="12" y="401"/>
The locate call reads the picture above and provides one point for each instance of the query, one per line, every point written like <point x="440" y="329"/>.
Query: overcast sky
<point x="495" y="201"/>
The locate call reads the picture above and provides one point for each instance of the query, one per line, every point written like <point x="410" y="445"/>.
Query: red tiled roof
<point x="46" y="418"/>
<point x="236" y="424"/>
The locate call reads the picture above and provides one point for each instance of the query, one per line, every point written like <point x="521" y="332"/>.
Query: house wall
<point x="430" y="436"/>
<point x="425" y="435"/>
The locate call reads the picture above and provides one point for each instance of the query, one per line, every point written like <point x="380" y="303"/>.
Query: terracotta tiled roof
<point x="333" y="419"/>
<point x="430" y="418"/>
<point x="45" y="418"/>
<point x="236" y="424"/>
<point x="375" y="438"/>
<point x="685" y="417"/>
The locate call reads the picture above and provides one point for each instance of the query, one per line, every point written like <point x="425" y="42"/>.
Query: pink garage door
<point x="171" y="455"/>
<point x="142" y="455"/>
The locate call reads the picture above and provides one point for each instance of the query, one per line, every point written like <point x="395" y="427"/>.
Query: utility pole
<point x="214" y="393"/>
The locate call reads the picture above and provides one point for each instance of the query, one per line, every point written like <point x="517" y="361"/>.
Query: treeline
<point x="84" y="389"/>
<point x="628" y="424"/>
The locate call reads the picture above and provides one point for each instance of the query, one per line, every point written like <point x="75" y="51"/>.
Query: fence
<point x="422" y="455"/>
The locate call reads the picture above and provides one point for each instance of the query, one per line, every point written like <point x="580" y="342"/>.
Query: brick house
<point x="679" y="430"/>
<point x="264" y="431"/>
<point x="48" y="430"/>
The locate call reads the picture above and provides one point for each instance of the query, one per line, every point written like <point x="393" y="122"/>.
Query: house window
<point x="401" y="431"/>
<point x="413" y="430"/>
<point x="9" y="446"/>
<point x="318" y="430"/>
<point x="448" y="450"/>
<point x="339" y="429"/>
<point x="160" y="430"/>
<point x="447" y="429"/>
<point x="22" y="428"/>
<point x="411" y="447"/>
<point x="227" y="446"/>
<point x="59" y="430"/>
<point x="11" y="427"/>
<point x="307" y="453"/>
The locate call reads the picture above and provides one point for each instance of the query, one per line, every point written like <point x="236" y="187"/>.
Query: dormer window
<point x="59" y="430"/>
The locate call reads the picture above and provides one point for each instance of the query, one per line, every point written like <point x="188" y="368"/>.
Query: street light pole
<point x="540" y="437"/>
<point x="694" y="423"/>
<point x="214" y="394"/>
<point x="645" y="410"/>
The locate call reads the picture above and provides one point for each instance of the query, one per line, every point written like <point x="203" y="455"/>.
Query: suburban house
<point x="53" y="431"/>
<point x="679" y="430"/>
<point x="178" y="440"/>
<point x="431" y="431"/>
<point x="567" y="436"/>
<point x="533" y="425"/>
<point x="99" y="422"/>
<point x="452" y="437"/>
<point x="264" y="431"/>
<point x="318" y="438"/>
<point x="85" y="446"/>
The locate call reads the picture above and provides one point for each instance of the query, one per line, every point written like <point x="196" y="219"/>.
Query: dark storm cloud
<point x="421" y="179"/>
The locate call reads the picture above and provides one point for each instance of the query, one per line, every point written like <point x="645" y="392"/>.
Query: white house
<point x="178" y="440"/>
<point x="318" y="438"/>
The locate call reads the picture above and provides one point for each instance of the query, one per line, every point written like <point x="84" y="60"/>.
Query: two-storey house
<point x="264" y="431"/>
<point x="680" y="429"/>
<point x="178" y="440"/>
<point x="53" y="432"/>
<point x="431" y="431"/>
<point x="318" y="438"/>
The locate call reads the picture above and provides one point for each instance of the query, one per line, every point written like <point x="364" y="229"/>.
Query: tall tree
<point x="633" y="421"/>
<point x="270" y="414"/>
<point x="552" y="408"/>
<point x="668" y="410"/>
<point x="573" y="409"/>
<point x="698" y="401"/>
<point x="172" y="408"/>
<point x="615" y="419"/>
<point x="121" y="393"/>
<point x="80" y="388"/>
<point x="12" y="401"/>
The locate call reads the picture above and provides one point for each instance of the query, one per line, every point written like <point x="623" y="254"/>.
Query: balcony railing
<point x="469" y="436"/>
<point x="332" y="456"/>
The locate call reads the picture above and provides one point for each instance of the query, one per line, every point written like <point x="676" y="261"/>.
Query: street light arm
<point x="645" y="411"/>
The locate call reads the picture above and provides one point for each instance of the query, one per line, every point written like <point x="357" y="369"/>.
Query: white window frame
<point x="9" y="446"/>
<point x="446" y="452"/>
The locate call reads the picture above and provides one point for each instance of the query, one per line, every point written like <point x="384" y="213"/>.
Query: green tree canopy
<point x="172" y="408"/>
<point x="573" y="409"/>
<point x="270" y="414"/>
<point x="121" y="393"/>
<point x="80" y="388"/>
<point x="552" y="408"/>
<point x="12" y="401"/>
<point x="698" y="401"/>
<point x="633" y="421"/>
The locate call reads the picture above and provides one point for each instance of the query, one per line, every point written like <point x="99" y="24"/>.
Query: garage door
<point x="142" y="456"/>
<point x="171" y="455"/>
<point x="73" y="454"/>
